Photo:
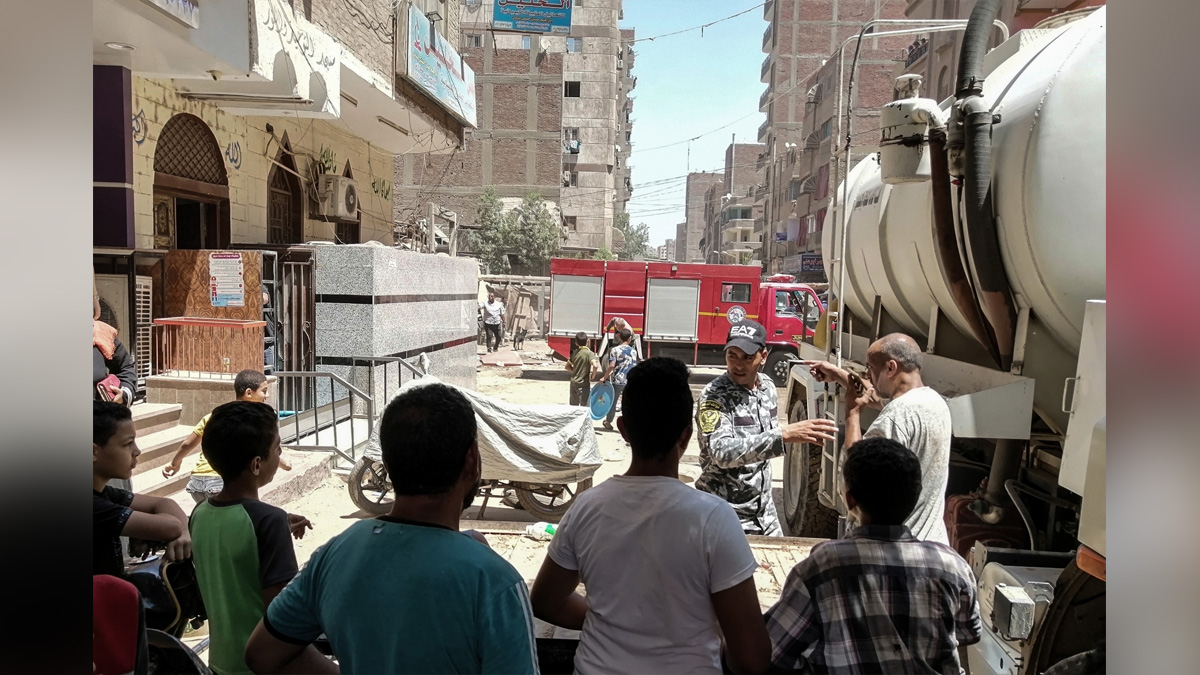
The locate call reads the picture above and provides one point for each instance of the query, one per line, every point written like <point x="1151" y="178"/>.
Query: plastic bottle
<point x="542" y="531"/>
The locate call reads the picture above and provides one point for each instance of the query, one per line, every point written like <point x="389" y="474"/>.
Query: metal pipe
<point x="1024" y="513"/>
<point x="1006" y="462"/>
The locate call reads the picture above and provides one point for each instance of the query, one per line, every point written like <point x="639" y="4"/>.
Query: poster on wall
<point x="226" y="279"/>
<point x="533" y="16"/>
<point x="436" y="67"/>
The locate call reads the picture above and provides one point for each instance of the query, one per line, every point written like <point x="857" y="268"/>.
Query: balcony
<point x="768" y="9"/>
<point x="767" y="35"/>
<point x="764" y="75"/>
<point x="762" y="131"/>
<point x="915" y="51"/>
<point x="764" y="100"/>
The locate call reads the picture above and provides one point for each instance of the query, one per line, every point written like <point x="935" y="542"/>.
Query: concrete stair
<point x="159" y="435"/>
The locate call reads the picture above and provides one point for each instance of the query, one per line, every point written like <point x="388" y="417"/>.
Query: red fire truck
<point x="679" y="310"/>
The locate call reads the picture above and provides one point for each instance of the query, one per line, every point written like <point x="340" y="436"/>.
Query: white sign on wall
<point x="226" y="280"/>
<point x="186" y="12"/>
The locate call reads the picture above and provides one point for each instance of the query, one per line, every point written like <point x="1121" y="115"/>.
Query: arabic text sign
<point x="811" y="262"/>
<point x="438" y="69"/>
<point x="533" y="16"/>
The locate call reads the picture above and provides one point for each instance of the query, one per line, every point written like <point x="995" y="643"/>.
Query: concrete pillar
<point x="112" y="157"/>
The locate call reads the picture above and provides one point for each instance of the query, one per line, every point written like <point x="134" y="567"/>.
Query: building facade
<point x="554" y="119"/>
<point x="213" y="130"/>
<point x="801" y="133"/>
<point x="730" y="211"/>
<point x="689" y="236"/>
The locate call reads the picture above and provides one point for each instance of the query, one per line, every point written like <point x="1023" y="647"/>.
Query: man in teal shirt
<point x="408" y="592"/>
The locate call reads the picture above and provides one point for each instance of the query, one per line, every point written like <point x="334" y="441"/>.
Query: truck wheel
<point x="370" y="488"/>
<point x="806" y="516"/>
<point x="549" y="503"/>
<point x="779" y="362"/>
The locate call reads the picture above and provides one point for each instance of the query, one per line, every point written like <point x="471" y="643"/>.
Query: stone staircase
<point x="159" y="435"/>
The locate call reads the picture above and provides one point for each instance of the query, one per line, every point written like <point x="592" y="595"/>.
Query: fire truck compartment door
<point x="575" y="305"/>
<point x="672" y="309"/>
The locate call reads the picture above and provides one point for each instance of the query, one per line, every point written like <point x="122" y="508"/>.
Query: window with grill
<point x="526" y="42"/>
<point x="472" y="40"/>
<point x="735" y="292"/>
<point x="571" y="89"/>
<point x="187" y="149"/>
<point x="574" y="44"/>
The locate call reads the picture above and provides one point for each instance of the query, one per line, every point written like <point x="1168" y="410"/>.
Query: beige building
<point x="554" y="118"/>
<point x="689" y="235"/>
<point x="274" y="127"/>
<point x="730" y="234"/>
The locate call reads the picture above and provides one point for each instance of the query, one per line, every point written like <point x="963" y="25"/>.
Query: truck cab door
<point x="733" y="302"/>
<point x="785" y="309"/>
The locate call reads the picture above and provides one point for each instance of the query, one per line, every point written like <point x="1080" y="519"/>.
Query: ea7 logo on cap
<point x="741" y="331"/>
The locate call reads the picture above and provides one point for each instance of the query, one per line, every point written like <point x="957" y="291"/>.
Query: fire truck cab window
<point x="735" y="292"/>
<point x="785" y="303"/>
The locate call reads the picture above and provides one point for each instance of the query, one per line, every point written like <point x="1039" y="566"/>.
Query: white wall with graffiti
<point x="318" y="146"/>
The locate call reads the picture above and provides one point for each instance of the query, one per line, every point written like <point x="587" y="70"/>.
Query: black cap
<point x="748" y="336"/>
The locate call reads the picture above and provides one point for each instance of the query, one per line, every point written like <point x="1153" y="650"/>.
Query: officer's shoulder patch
<point x="710" y="415"/>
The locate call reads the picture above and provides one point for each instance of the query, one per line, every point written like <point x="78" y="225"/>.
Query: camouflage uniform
<point x="739" y="432"/>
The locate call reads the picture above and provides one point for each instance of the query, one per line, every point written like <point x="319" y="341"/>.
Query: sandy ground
<point x="540" y="380"/>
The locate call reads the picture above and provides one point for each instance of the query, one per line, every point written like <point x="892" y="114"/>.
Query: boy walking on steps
<point x="249" y="385"/>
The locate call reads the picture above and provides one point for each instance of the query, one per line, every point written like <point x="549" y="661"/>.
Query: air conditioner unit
<point x="115" y="311"/>
<point x="338" y="197"/>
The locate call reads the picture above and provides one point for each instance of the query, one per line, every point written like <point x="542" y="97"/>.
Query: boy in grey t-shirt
<point x="915" y="416"/>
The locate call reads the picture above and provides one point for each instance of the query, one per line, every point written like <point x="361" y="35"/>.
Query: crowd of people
<point x="668" y="569"/>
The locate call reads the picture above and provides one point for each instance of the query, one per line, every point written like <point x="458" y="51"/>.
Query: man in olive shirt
<point x="582" y="365"/>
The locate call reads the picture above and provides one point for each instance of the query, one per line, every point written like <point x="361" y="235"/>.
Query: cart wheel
<point x="549" y="502"/>
<point x="370" y="488"/>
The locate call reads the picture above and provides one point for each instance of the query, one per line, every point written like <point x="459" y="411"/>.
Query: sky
<point x="688" y="85"/>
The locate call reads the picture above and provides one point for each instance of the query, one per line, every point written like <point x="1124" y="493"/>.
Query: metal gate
<point x="297" y="353"/>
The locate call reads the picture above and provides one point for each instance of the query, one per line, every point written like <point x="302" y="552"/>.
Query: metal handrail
<point x="372" y="361"/>
<point x="334" y="418"/>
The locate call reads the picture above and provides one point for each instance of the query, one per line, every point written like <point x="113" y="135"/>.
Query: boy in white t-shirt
<point x="668" y="571"/>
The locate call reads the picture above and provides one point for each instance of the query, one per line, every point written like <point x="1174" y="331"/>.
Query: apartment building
<point x="803" y="105"/>
<point x="730" y="211"/>
<point x="689" y="235"/>
<point x="555" y="118"/>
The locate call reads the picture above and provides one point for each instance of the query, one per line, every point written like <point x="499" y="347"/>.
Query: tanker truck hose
<point x="946" y="239"/>
<point x="974" y="48"/>
<point x="980" y="227"/>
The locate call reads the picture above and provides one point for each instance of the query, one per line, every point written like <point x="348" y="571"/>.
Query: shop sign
<point x="533" y="16"/>
<point x="436" y="67"/>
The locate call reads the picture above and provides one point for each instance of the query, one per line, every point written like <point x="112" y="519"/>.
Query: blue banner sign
<point x="435" y="66"/>
<point x="533" y="16"/>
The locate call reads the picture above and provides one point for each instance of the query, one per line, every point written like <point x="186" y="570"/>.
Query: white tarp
<point x="528" y="443"/>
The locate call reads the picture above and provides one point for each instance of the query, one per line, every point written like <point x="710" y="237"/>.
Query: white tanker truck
<point x="979" y="230"/>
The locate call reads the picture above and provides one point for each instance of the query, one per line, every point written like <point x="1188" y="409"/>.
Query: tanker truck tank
<point x="1046" y="93"/>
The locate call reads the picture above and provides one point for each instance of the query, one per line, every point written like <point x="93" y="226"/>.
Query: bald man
<point x="913" y="415"/>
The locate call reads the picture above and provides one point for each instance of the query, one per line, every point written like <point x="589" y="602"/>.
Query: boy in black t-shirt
<point x="116" y="512"/>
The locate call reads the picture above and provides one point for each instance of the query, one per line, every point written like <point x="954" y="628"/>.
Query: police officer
<point x="738" y="416"/>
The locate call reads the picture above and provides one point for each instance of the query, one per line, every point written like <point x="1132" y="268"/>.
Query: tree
<point x="534" y="237"/>
<point x="637" y="237"/>
<point x="492" y="240"/>
<point x="603" y="253"/>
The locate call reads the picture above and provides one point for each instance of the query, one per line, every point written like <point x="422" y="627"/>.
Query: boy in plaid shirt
<point x="880" y="600"/>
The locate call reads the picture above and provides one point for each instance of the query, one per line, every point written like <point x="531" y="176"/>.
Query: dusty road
<point x="538" y="381"/>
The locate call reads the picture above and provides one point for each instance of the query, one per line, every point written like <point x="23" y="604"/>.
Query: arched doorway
<point x="191" y="187"/>
<point x="285" y="224"/>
